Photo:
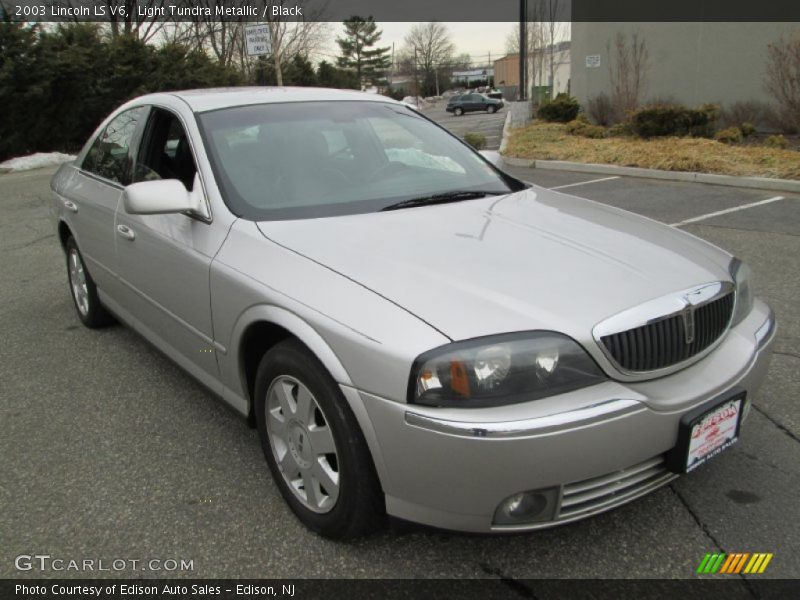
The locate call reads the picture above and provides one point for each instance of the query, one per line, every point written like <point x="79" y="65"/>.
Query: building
<point x="506" y="71"/>
<point x="692" y="63"/>
<point x="467" y="78"/>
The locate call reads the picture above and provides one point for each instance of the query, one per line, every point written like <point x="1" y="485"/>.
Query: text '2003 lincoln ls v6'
<point x="414" y="332"/>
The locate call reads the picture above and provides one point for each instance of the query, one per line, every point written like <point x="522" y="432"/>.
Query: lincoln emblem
<point x="688" y="324"/>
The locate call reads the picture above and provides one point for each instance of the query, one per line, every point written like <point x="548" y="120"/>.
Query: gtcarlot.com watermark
<point x="48" y="563"/>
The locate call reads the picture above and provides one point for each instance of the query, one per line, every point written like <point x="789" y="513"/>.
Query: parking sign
<point x="258" y="40"/>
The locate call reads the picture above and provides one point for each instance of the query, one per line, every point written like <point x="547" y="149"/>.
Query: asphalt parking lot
<point x="112" y="452"/>
<point x="490" y="126"/>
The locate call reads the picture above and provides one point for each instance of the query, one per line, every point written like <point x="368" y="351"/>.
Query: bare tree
<point x="782" y="80"/>
<point x="293" y="38"/>
<point x="225" y="39"/>
<point x="122" y="17"/>
<point x="536" y="36"/>
<point x="431" y="43"/>
<point x="553" y="31"/>
<point x="627" y="69"/>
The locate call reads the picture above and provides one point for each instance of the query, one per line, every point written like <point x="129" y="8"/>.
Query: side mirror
<point x="494" y="157"/>
<point x="163" y="196"/>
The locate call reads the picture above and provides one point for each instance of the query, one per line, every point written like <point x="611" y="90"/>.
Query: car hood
<point x="534" y="259"/>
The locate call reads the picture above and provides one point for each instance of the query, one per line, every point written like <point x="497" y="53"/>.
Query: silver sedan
<point x="413" y="331"/>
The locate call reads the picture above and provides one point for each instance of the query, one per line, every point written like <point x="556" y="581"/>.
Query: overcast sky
<point x="475" y="39"/>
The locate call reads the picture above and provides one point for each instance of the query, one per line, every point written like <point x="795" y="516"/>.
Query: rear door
<point x="94" y="192"/>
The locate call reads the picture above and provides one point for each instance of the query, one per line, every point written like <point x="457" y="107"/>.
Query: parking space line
<point x="561" y="187"/>
<point x="726" y="211"/>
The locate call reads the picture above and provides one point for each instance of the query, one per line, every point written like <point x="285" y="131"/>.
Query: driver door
<point x="164" y="260"/>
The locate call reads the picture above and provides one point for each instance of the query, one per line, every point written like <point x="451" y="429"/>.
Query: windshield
<point x="316" y="159"/>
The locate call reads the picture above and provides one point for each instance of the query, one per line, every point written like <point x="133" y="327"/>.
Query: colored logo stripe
<point x="734" y="563"/>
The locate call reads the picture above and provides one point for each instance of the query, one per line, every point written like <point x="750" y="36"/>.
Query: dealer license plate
<point x="702" y="436"/>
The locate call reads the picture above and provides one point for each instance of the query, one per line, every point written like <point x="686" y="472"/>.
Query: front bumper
<point x="595" y="448"/>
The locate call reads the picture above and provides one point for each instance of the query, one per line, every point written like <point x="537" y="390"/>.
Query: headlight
<point x="503" y="369"/>
<point x="743" y="279"/>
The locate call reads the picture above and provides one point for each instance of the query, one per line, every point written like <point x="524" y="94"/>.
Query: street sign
<point x="592" y="61"/>
<point x="258" y="39"/>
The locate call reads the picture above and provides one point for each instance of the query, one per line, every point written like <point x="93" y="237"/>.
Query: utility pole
<point x="523" y="47"/>
<point x="391" y="72"/>
<point x="416" y="81"/>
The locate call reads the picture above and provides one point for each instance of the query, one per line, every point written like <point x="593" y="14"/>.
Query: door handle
<point x="126" y="232"/>
<point x="70" y="206"/>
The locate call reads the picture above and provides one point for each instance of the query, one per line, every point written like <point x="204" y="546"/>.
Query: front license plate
<point x="706" y="432"/>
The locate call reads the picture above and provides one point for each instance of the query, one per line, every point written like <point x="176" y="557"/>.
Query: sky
<point x="475" y="39"/>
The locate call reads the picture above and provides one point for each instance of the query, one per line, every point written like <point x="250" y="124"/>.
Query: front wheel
<point x="492" y="109"/>
<point x="314" y="446"/>
<point x="84" y="291"/>
<point x="458" y="112"/>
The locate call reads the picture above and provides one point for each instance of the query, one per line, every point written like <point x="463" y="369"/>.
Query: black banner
<point x="731" y="588"/>
<point x="401" y="11"/>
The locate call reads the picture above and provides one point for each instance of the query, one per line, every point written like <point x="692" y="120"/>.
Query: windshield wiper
<point x="455" y="196"/>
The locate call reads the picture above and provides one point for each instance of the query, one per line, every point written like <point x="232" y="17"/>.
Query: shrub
<point x="731" y="135"/>
<point x="620" y="129"/>
<point x="776" y="141"/>
<point x="654" y="121"/>
<point x="593" y="131"/>
<point x="747" y="129"/>
<point x="585" y="129"/>
<point x="476" y="140"/>
<point x="748" y="111"/>
<point x="601" y="110"/>
<point x="574" y="126"/>
<point x="561" y="110"/>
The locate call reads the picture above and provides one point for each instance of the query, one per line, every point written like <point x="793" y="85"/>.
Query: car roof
<point x="215" y="98"/>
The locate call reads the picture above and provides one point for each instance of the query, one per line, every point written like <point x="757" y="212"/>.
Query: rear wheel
<point x="84" y="291"/>
<point x="314" y="446"/>
<point x="458" y="111"/>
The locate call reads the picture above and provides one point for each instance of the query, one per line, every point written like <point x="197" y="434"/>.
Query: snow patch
<point x="35" y="161"/>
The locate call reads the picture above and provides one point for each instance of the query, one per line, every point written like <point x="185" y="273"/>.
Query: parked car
<point x="458" y="105"/>
<point x="412" y="330"/>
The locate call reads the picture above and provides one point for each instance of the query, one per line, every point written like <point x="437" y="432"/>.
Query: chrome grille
<point x="600" y="493"/>
<point x="663" y="343"/>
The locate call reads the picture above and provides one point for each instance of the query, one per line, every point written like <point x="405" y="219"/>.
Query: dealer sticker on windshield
<point x="706" y="432"/>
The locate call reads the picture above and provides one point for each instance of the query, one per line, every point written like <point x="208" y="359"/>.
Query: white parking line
<point x="726" y="211"/>
<point x="561" y="187"/>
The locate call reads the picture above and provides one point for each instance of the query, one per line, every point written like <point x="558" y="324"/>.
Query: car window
<point x="165" y="151"/>
<point x="316" y="159"/>
<point x="109" y="156"/>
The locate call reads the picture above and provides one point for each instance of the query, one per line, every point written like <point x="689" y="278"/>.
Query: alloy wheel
<point x="77" y="281"/>
<point x="302" y="444"/>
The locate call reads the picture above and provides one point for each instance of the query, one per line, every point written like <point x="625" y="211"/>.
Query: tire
<point x="492" y="109"/>
<point x="345" y="499"/>
<point x="458" y="111"/>
<point x="83" y="290"/>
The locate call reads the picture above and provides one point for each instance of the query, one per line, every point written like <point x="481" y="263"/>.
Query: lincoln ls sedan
<point x="414" y="332"/>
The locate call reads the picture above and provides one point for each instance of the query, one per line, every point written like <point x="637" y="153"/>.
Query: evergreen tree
<point x="359" y="53"/>
<point x="331" y="77"/>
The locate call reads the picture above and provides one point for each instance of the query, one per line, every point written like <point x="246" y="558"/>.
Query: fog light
<point x="527" y="507"/>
